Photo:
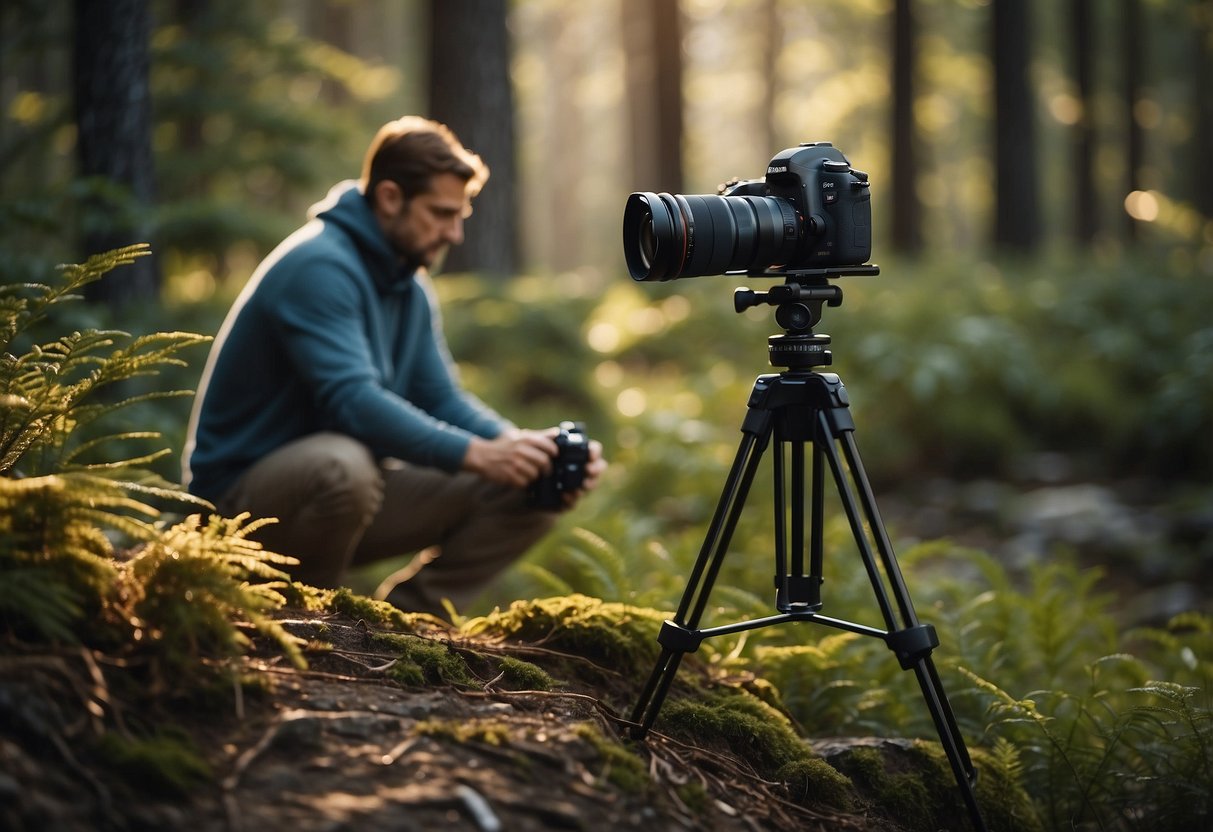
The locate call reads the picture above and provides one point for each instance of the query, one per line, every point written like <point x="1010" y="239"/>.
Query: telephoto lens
<point x="668" y="236"/>
<point x="811" y="211"/>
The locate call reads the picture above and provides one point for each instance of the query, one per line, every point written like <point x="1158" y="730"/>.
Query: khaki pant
<point x="338" y="507"/>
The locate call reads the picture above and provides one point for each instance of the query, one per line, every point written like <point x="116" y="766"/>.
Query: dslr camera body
<point x="568" y="469"/>
<point x="812" y="210"/>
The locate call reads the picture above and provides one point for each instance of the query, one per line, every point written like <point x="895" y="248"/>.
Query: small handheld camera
<point x="568" y="469"/>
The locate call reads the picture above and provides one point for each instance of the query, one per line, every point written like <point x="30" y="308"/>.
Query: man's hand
<point x="514" y="458"/>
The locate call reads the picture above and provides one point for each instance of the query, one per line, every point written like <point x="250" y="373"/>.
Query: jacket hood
<point x="346" y="207"/>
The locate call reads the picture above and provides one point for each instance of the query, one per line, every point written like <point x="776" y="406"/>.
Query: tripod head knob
<point x="815" y="293"/>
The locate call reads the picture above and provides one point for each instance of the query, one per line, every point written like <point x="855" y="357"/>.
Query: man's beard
<point x="431" y="262"/>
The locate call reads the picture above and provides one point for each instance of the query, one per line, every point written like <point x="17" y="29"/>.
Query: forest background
<point x="1030" y="372"/>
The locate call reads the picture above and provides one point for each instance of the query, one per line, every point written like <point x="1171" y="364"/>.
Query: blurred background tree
<point x="113" y="116"/>
<point x="475" y="98"/>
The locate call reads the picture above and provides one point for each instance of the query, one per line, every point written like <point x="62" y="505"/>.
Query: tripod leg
<point x="949" y="736"/>
<point x="654" y="692"/>
<point x="711" y="554"/>
<point x="908" y="631"/>
<point x="928" y="677"/>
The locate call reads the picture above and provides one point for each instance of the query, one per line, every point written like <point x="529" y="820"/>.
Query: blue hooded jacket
<point x="331" y="334"/>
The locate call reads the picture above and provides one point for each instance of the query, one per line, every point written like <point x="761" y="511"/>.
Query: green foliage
<point x="911" y="783"/>
<point x="359" y="607"/>
<point x="1104" y="361"/>
<point x="84" y="553"/>
<point x="1121" y="750"/>
<point x="252" y="119"/>
<point x="486" y="731"/>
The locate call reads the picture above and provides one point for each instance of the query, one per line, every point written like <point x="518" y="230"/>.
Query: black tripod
<point x="801" y="405"/>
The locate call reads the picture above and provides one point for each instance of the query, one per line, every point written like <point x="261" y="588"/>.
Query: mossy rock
<point x="420" y="661"/>
<point x="522" y="675"/>
<point x="910" y="783"/>
<point x="811" y="781"/>
<point x="362" y="608"/>
<point x="618" y="636"/>
<point x="733" y="720"/>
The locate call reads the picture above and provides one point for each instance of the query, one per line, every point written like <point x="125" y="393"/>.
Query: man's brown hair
<point x="411" y="150"/>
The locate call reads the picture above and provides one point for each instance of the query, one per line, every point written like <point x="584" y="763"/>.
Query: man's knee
<point x="347" y="473"/>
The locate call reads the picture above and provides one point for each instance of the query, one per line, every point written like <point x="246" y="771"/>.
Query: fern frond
<point x="82" y="539"/>
<point x="90" y="412"/>
<point x="28" y="487"/>
<point x="96" y="266"/>
<point x="166" y="491"/>
<point x="549" y="582"/>
<point x="196" y="581"/>
<point x="121" y="466"/>
<point x="96" y="442"/>
<point x="131" y="527"/>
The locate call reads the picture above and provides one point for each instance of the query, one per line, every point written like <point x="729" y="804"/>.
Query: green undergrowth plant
<point x="1120" y="748"/>
<point x="87" y="553"/>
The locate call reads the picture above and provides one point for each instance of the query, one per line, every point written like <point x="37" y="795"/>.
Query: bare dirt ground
<point x="342" y="746"/>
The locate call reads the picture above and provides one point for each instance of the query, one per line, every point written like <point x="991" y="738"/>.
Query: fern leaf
<point x="121" y="465"/>
<point x="549" y="581"/>
<point x="92" y="444"/>
<point x="28" y="487"/>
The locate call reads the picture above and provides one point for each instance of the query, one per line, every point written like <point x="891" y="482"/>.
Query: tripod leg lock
<point x="912" y="644"/>
<point x="678" y="639"/>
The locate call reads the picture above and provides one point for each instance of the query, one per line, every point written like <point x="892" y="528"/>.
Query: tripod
<point x="800" y="406"/>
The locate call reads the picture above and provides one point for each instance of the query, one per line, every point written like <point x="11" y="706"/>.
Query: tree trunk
<point x="906" y="227"/>
<point x="470" y="92"/>
<point x="1016" y="213"/>
<point x="114" y="138"/>
<point x="564" y="129"/>
<point x="1133" y="37"/>
<point x="1086" y="214"/>
<point x="652" y="36"/>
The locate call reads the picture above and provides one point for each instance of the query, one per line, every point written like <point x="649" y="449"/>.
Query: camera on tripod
<point x="808" y="221"/>
<point x="811" y="211"/>
<point x="568" y="469"/>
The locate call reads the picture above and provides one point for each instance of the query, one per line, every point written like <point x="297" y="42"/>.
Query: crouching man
<point x="330" y="400"/>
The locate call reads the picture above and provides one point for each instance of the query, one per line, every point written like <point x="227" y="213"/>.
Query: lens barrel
<point x="669" y="236"/>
